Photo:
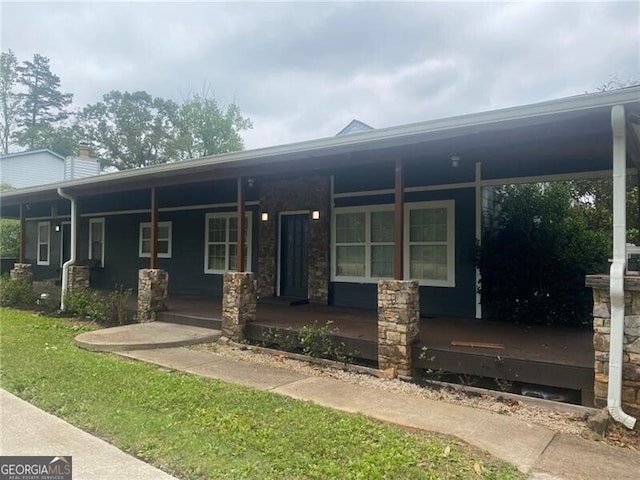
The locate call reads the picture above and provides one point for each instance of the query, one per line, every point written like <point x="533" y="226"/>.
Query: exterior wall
<point x="309" y="193"/>
<point x="601" y="342"/>
<point x="78" y="167"/>
<point x="453" y="301"/>
<point x="31" y="168"/>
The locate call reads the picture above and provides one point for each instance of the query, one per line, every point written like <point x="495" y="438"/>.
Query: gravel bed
<point x="563" y="422"/>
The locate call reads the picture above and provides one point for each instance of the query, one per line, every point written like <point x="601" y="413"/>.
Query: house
<point x="385" y="218"/>
<point x="40" y="167"/>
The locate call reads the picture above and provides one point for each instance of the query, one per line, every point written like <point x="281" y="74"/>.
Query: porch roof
<point x="577" y="127"/>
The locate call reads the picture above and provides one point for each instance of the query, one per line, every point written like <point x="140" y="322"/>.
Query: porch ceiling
<point x="562" y="136"/>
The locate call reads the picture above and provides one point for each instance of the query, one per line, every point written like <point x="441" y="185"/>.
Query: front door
<point x="294" y="253"/>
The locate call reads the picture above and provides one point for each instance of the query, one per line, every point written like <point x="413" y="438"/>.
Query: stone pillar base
<point x="602" y="338"/>
<point x="22" y="272"/>
<point x="153" y="288"/>
<point x="77" y="278"/>
<point x="398" y="324"/>
<point x="238" y="304"/>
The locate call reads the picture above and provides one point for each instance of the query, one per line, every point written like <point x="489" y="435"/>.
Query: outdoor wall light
<point x="264" y="216"/>
<point x="455" y="161"/>
<point x="57" y="228"/>
<point x="315" y="214"/>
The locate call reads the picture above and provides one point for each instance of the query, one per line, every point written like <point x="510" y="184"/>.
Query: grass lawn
<point x="193" y="427"/>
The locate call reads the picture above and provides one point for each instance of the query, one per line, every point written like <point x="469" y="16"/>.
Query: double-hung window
<point x="164" y="239"/>
<point x="96" y="240"/>
<point x="429" y="243"/>
<point x="221" y="242"/>
<point x="44" y="243"/>
<point x="363" y="243"/>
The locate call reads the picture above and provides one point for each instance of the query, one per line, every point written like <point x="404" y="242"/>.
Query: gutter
<point x="72" y="260"/>
<point x="616" y="274"/>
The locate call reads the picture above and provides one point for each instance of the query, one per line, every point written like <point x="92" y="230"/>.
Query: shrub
<point x="16" y="293"/>
<point x="534" y="262"/>
<point x="117" y="305"/>
<point x="87" y="303"/>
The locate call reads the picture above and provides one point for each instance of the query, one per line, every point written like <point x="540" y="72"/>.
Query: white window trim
<point x="451" y="266"/>
<point x="47" y="243"/>
<point x="226" y="215"/>
<point x="451" y="244"/>
<point x="93" y="221"/>
<point x="160" y="224"/>
<point x="368" y="209"/>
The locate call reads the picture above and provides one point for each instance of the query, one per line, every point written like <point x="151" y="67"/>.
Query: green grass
<point x="193" y="427"/>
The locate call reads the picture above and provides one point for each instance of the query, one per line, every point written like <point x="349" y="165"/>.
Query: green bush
<point x="107" y="310"/>
<point x="17" y="293"/>
<point x="533" y="264"/>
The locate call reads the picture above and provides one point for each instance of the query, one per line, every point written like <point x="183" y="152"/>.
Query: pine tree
<point x="9" y="99"/>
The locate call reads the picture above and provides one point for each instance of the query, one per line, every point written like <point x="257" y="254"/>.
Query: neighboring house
<point x="40" y="167"/>
<point x="321" y="214"/>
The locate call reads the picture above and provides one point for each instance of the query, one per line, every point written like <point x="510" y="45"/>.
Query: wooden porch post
<point x="21" y="252"/>
<point x="240" y="228"/>
<point x="398" y="238"/>
<point x="153" y="257"/>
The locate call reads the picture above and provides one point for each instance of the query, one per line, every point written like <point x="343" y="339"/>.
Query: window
<point x="96" y="240"/>
<point x="164" y="239"/>
<point x="43" y="243"/>
<point x="363" y="241"/>
<point x="429" y="240"/>
<point x="221" y="242"/>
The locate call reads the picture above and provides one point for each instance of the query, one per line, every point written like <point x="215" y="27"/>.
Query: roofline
<point x="28" y="152"/>
<point x="557" y="106"/>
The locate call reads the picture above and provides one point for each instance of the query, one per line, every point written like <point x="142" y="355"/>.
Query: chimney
<point x="83" y="150"/>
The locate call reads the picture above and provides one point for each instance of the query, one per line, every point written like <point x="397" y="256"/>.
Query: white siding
<point x="78" y="167"/>
<point x="33" y="168"/>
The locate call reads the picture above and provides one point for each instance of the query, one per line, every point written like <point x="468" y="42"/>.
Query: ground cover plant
<point x="194" y="427"/>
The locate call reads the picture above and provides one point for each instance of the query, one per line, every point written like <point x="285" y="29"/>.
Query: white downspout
<point x="616" y="274"/>
<point x="72" y="259"/>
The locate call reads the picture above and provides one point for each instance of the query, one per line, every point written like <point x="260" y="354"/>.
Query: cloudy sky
<point x="303" y="70"/>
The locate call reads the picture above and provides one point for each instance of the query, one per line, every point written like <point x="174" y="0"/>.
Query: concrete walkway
<point x="143" y="336"/>
<point x="544" y="454"/>
<point x="27" y="430"/>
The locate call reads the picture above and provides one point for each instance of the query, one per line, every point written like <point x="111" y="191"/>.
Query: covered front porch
<point x="520" y="354"/>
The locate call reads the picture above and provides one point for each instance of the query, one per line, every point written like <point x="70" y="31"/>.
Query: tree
<point x="9" y="99"/>
<point x="533" y="263"/>
<point x="203" y="128"/>
<point x="9" y="232"/>
<point x="42" y="104"/>
<point x="129" y="130"/>
<point x="133" y="130"/>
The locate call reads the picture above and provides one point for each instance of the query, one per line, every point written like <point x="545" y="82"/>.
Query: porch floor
<point x="552" y="345"/>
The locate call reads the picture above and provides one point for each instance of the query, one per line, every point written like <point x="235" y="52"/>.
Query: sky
<point x="304" y="70"/>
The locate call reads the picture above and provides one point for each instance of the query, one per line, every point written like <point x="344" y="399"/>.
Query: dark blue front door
<point x="294" y="253"/>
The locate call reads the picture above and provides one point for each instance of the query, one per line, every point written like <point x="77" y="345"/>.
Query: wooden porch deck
<point x="549" y="356"/>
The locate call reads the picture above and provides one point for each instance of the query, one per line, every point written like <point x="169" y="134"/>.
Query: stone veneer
<point x="238" y="304"/>
<point x="308" y="193"/>
<point x="601" y="339"/>
<point x="22" y="271"/>
<point x="153" y="289"/>
<point x="398" y="324"/>
<point x="77" y="278"/>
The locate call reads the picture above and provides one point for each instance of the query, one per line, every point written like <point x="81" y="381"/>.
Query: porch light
<point x="315" y="214"/>
<point x="57" y="227"/>
<point x="455" y="161"/>
<point x="264" y="216"/>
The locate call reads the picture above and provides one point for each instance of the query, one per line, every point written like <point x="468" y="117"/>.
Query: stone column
<point x="23" y="272"/>
<point x="601" y="341"/>
<point x="153" y="287"/>
<point x="77" y="278"/>
<point x="398" y="324"/>
<point x="238" y="304"/>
